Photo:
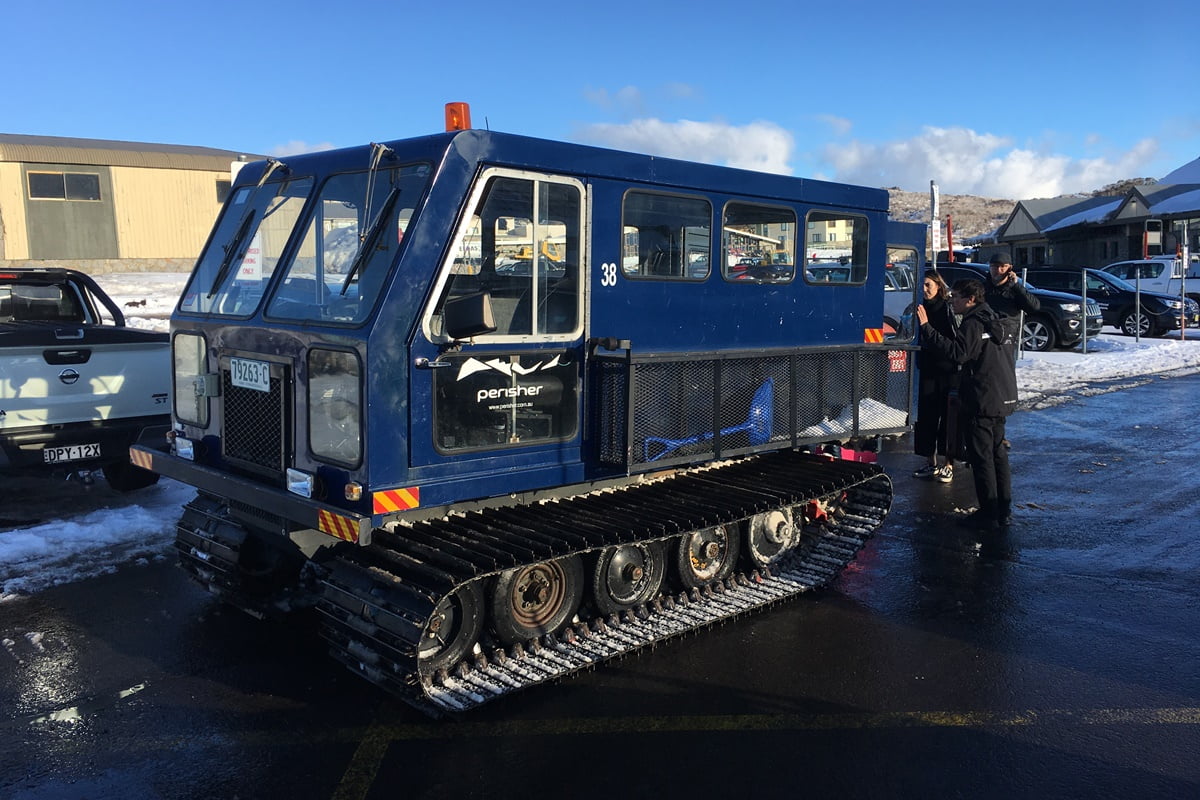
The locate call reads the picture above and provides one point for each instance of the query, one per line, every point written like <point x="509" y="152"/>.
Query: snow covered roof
<point x="1182" y="203"/>
<point x="1089" y="215"/>
<point x="1188" y="173"/>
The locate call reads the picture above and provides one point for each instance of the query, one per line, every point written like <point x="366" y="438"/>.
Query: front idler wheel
<point x="769" y="534"/>
<point x="628" y="575"/>
<point x="452" y="629"/>
<point x="707" y="555"/>
<point x="530" y="601"/>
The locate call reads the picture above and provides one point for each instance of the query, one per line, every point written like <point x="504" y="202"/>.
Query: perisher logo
<point x="508" y="368"/>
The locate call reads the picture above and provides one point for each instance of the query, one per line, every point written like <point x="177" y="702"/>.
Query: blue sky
<point x="1025" y="99"/>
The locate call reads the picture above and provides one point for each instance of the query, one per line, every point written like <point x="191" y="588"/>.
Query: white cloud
<point x="626" y="101"/>
<point x="762" y="146"/>
<point x="840" y="125"/>
<point x="963" y="161"/>
<point x="296" y="146"/>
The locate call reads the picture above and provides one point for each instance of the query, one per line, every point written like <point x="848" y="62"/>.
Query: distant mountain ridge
<point x="979" y="216"/>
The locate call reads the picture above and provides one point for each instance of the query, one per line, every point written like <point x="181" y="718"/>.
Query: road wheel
<point x="530" y="601"/>
<point x="1038" y="335"/>
<point x="453" y="628"/>
<point x="1134" y="324"/>
<point x="628" y="575"/>
<point x="707" y="555"/>
<point x="769" y="534"/>
<point x="125" y="477"/>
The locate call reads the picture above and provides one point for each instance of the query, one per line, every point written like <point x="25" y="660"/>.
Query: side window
<point x="521" y="247"/>
<point x="901" y="267"/>
<point x="758" y="243"/>
<point x="841" y="255"/>
<point x="666" y="237"/>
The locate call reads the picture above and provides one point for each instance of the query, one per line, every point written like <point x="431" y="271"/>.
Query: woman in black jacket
<point x="988" y="388"/>
<point x="935" y="431"/>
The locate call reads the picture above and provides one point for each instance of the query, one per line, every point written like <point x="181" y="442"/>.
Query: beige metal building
<point x="108" y="206"/>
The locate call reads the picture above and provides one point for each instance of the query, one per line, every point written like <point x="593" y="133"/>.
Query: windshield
<point x="233" y="271"/>
<point x="357" y="225"/>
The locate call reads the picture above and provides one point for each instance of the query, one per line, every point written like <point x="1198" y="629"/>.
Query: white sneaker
<point x="944" y="473"/>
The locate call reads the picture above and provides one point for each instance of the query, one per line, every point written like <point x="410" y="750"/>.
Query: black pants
<point x="988" y="458"/>
<point x="931" y="430"/>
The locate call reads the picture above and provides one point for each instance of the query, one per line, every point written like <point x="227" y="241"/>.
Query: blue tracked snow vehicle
<point x="504" y="408"/>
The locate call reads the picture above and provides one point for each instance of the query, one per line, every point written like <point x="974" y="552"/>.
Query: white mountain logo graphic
<point x="473" y="365"/>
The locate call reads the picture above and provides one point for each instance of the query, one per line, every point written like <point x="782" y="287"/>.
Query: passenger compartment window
<point x="666" y="237"/>
<point x="758" y="243"/>
<point x="837" y="248"/>
<point x="520" y="251"/>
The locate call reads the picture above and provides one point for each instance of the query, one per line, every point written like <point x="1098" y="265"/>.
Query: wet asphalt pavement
<point x="1057" y="660"/>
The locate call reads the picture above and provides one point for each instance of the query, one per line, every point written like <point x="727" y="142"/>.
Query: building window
<point x="222" y="190"/>
<point x="64" y="186"/>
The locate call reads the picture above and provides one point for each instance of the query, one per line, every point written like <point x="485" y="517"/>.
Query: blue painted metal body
<point x="399" y="419"/>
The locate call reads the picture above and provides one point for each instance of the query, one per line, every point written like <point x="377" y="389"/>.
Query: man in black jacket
<point x="988" y="392"/>
<point x="1004" y="292"/>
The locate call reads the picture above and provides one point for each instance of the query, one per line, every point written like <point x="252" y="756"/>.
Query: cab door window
<point x="521" y="249"/>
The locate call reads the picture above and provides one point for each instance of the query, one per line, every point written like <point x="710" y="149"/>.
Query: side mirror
<point x="469" y="315"/>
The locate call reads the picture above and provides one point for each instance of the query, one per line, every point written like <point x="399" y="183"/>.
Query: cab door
<point x="497" y="374"/>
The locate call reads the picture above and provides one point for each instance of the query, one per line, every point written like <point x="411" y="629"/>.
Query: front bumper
<point x="302" y="512"/>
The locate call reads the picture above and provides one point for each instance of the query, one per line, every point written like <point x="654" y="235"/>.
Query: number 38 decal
<point x="608" y="274"/>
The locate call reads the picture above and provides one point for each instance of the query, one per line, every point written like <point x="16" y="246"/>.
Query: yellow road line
<point x="370" y="753"/>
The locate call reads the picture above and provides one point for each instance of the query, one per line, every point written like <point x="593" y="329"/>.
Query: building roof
<point x="1050" y="211"/>
<point x="1187" y="202"/>
<point x="1188" y="173"/>
<point x="1092" y="215"/>
<point x="104" y="152"/>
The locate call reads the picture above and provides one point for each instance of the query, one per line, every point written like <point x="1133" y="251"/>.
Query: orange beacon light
<point x="458" y="116"/>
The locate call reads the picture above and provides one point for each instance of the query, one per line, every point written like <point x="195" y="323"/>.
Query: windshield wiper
<point x="370" y="238"/>
<point x="235" y="244"/>
<point x="231" y="251"/>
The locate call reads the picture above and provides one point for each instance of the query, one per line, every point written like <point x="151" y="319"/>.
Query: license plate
<point x="74" y="452"/>
<point x="250" y="374"/>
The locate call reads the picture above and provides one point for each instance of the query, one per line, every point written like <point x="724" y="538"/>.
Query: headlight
<point x="1072" y="308"/>
<point x="1175" y="305"/>
<point x="335" y="406"/>
<point x="190" y="353"/>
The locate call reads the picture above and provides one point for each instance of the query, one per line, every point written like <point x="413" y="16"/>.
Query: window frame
<point x="684" y="276"/>
<point x="786" y="228"/>
<point x="66" y="194"/>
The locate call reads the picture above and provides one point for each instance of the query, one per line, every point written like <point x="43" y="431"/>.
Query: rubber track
<point x="375" y="601"/>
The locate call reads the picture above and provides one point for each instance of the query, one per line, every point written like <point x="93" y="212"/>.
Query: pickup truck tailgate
<point x="53" y="375"/>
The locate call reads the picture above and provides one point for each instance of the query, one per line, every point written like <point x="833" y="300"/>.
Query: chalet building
<point x="1151" y="220"/>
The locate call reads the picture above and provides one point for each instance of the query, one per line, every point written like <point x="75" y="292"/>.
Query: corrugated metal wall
<point x="14" y="237"/>
<point x="69" y="229"/>
<point x="164" y="213"/>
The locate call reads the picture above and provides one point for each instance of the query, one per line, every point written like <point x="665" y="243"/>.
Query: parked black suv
<point x="1059" y="323"/>
<point x="1118" y="300"/>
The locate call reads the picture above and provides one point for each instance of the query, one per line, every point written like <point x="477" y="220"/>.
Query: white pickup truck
<point x="1161" y="274"/>
<point x="77" y="387"/>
